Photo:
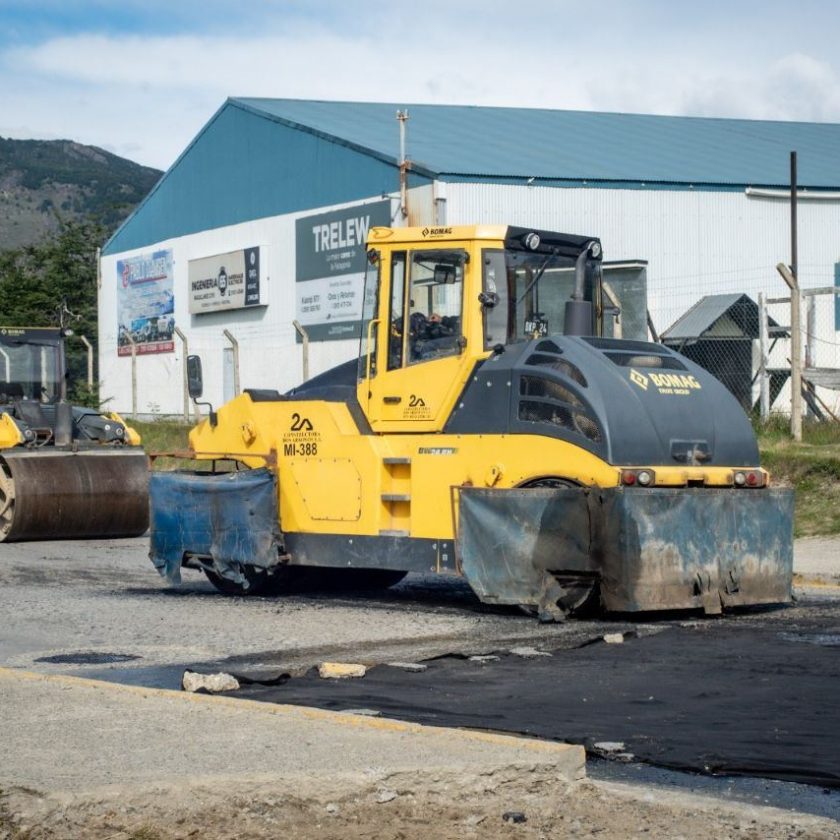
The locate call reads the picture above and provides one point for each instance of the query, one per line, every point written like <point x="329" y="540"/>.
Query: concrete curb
<point x="570" y="758"/>
<point x="831" y="582"/>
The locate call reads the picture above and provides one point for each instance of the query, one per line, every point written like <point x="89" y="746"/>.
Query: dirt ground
<point x="505" y="804"/>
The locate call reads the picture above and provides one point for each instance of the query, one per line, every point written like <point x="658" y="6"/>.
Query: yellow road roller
<point x="65" y="471"/>
<point x="489" y="429"/>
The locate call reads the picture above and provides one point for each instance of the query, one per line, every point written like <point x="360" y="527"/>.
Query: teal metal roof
<point x="241" y="167"/>
<point x="265" y="157"/>
<point x="576" y="145"/>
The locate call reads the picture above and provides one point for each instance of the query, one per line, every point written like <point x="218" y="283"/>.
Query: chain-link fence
<point x="744" y="338"/>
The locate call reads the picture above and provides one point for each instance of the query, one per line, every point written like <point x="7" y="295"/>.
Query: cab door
<point x="421" y="346"/>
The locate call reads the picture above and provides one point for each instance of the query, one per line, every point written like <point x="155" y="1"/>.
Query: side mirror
<point x="195" y="385"/>
<point x="195" y="382"/>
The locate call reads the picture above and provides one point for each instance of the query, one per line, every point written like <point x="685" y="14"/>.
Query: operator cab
<point x="439" y="300"/>
<point x="31" y="365"/>
<point x="540" y="284"/>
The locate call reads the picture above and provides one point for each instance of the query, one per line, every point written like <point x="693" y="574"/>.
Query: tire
<point x="7" y="501"/>
<point x="258" y="582"/>
<point x="551" y="482"/>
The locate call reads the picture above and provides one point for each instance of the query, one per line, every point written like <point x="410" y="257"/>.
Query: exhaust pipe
<point x="578" y="315"/>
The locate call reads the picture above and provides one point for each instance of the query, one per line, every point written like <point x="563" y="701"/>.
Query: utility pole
<point x="402" y="117"/>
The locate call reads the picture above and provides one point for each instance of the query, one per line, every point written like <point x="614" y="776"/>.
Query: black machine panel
<point x="628" y="402"/>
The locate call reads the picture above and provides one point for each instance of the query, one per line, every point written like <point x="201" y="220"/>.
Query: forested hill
<point x="44" y="182"/>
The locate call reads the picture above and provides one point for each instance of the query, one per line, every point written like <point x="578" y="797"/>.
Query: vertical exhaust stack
<point x="578" y="316"/>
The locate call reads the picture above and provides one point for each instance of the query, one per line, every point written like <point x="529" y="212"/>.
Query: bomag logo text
<point x="674" y="380"/>
<point x="437" y="231"/>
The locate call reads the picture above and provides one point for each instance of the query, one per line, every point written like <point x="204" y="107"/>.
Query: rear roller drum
<point x="56" y="494"/>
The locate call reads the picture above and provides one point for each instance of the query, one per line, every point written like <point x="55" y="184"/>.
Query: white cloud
<point x="795" y="87"/>
<point x="146" y="97"/>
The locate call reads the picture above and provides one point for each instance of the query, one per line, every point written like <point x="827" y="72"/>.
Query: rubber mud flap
<point x="652" y="549"/>
<point x="230" y="517"/>
<point x="680" y="548"/>
<point x="511" y="542"/>
<point x="75" y="495"/>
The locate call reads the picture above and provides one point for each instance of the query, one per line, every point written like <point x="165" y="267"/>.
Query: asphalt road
<point x="99" y="609"/>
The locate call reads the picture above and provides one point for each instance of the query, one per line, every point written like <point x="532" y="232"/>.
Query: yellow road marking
<point x="815" y="582"/>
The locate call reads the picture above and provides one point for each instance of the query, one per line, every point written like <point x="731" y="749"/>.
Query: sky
<point x="141" y="77"/>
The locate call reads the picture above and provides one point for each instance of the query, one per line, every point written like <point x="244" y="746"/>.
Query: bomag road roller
<point x="64" y="471"/>
<point x="488" y="429"/>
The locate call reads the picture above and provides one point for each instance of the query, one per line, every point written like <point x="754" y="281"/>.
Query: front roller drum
<point x="49" y="494"/>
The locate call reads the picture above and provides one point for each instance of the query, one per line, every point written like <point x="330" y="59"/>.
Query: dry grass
<point x="811" y="467"/>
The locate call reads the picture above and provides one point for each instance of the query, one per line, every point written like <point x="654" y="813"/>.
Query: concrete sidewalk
<point x="65" y="734"/>
<point x="816" y="560"/>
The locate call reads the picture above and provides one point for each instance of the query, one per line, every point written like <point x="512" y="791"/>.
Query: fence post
<point x="235" y="344"/>
<point x="304" y="335"/>
<point x="795" y="352"/>
<point x="810" y="332"/>
<point x="89" y="347"/>
<point x="810" y="329"/>
<point x="763" y="344"/>
<point x="133" y="344"/>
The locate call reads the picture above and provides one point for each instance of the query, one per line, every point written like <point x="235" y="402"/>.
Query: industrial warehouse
<point x="250" y="250"/>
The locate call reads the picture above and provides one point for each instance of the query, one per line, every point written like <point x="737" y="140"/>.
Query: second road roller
<point x="65" y="471"/>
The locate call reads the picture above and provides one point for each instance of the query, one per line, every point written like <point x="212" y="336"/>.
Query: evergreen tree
<point x="53" y="284"/>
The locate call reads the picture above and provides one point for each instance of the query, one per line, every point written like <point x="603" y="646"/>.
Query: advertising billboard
<point x="330" y="269"/>
<point x="145" y="303"/>
<point x="225" y="281"/>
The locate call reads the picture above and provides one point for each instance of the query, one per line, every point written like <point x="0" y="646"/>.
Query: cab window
<point x="370" y="324"/>
<point x="397" y="313"/>
<point x="495" y="300"/>
<point x="435" y="304"/>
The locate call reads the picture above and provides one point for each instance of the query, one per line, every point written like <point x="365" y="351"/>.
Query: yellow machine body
<point x="544" y="442"/>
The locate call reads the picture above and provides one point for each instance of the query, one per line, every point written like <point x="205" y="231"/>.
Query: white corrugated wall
<point x="696" y="243"/>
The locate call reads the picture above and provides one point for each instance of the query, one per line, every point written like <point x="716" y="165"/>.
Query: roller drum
<point x="65" y="495"/>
